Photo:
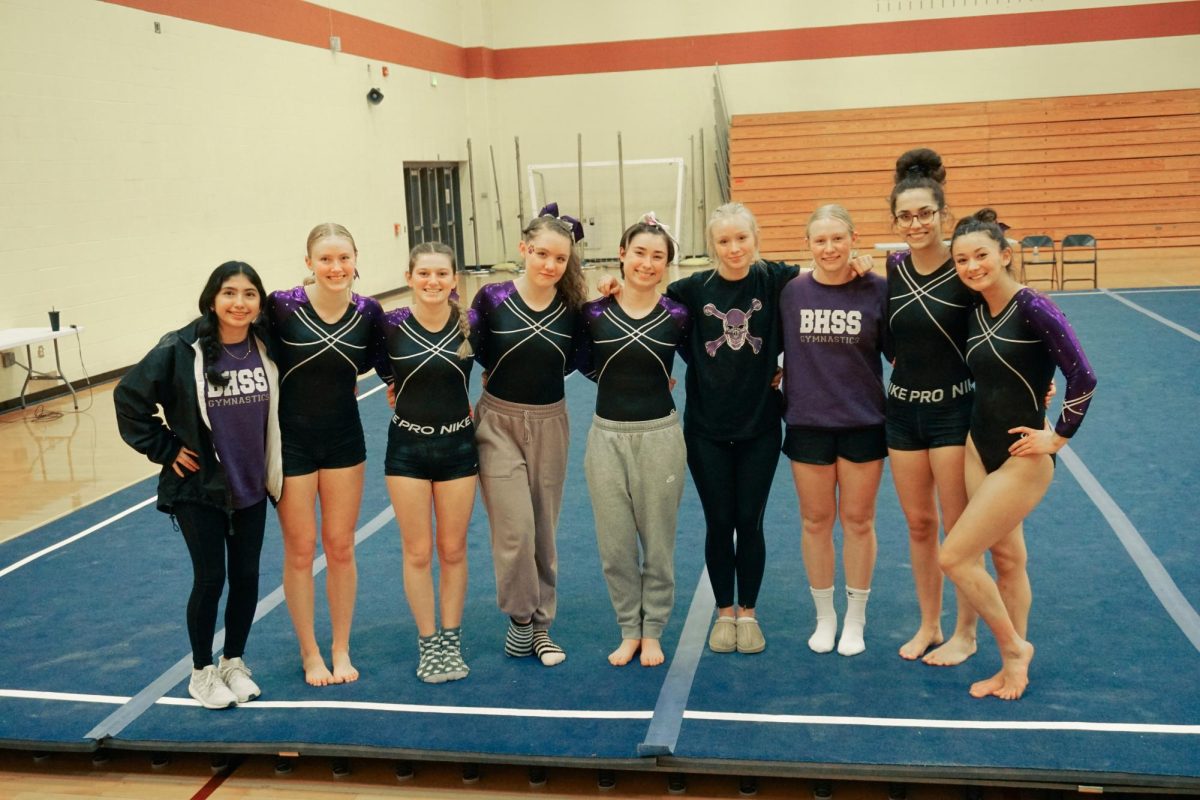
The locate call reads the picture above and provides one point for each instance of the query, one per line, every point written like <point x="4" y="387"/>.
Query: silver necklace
<point x="235" y="355"/>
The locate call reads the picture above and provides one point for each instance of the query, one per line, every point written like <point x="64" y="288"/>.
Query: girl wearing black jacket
<point x="220" y="457"/>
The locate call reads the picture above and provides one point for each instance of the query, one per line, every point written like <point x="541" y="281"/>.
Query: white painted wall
<point x="132" y="162"/>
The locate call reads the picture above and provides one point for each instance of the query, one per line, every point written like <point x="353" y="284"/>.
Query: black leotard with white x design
<point x="630" y="359"/>
<point x="927" y="318"/>
<point x="430" y="379"/>
<point x="526" y="353"/>
<point x="319" y="362"/>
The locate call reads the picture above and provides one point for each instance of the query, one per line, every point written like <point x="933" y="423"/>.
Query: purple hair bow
<point x="551" y="210"/>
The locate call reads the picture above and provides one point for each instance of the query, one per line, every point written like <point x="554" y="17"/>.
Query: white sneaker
<point x="236" y="675"/>
<point x="209" y="690"/>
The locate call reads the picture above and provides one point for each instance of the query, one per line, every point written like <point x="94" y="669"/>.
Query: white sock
<point x="822" y="639"/>
<point x="851" y="643"/>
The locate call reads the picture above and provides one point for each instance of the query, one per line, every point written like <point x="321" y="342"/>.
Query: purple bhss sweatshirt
<point x="834" y="339"/>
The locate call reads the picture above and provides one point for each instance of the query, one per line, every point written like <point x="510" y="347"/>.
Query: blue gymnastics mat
<point x="96" y="652"/>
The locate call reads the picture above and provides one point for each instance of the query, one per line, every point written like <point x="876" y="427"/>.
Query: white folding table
<point x="12" y="338"/>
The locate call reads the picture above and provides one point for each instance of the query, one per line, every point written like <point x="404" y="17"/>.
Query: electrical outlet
<point x="7" y="359"/>
<point x="41" y="351"/>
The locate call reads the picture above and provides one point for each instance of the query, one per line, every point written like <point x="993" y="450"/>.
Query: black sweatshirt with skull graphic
<point x="734" y="350"/>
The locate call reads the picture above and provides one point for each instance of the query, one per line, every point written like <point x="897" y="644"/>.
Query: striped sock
<point x="545" y="649"/>
<point x="518" y="642"/>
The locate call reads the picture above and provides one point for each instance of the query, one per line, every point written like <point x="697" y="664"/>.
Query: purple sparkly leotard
<point x="630" y="359"/>
<point x="1012" y="357"/>
<point x="319" y="362"/>
<point x="527" y="353"/>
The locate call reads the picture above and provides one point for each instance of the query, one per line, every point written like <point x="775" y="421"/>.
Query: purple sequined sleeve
<point x="377" y="357"/>
<point x="1051" y="326"/>
<point x="683" y="319"/>
<point x="487" y="299"/>
<point x="582" y="356"/>
<point x="475" y="320"/>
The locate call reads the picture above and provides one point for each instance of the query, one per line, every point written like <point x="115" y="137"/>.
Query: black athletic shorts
<point x="823" y="446"/>
<point x="924" y="426"/>
<point x="314" y="443"/>
<point x="436" y="457"/>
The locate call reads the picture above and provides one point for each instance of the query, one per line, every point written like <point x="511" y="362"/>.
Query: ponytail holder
<point x="650" y="219"/>
<point x="576" y="227"/>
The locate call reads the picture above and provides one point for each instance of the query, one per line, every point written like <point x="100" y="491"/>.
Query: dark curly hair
<point x="919" y="169"/>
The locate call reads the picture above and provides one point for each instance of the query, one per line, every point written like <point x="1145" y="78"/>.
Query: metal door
<point x="434" y="201"/>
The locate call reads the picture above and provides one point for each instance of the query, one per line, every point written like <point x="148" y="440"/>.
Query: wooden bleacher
<point x="1122" y="167"/>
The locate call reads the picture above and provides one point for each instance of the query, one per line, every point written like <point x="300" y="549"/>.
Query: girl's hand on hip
<point x="188" y="460"/>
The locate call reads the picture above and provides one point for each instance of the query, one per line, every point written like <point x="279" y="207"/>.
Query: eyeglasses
<point x="924" y="216"/>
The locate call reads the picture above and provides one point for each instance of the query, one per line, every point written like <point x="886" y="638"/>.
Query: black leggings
<point x="734" y="480"/>
<point x="207" y="532"/>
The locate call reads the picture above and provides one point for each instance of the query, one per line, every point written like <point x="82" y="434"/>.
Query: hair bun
<point x="920" y="163"/>
<point x="985" y="215"/>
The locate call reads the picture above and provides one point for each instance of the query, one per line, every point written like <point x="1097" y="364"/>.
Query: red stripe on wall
<point x="848" y="41"/>
<point x="306" y="23"/>
<point x="309" y="24"/>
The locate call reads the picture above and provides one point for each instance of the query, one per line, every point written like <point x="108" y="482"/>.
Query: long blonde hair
<point x="464" y="322"/>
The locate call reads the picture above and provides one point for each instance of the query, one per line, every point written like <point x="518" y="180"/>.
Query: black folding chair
<point x="1039" y="251"/>
<point x="1079" y="248"/>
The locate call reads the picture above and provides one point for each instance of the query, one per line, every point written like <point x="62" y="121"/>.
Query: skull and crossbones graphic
<point x="737" y="328"/>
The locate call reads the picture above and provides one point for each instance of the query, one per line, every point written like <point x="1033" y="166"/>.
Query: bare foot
<point x="652" y="654"/>
<point x="343" y="670"/>
<point x="623" y="654"/>
<point x="315" y="671"/>
<point x="952" y="653"/>
<point x="986" y="687"/>
<point x="1012" y="679"/>
<point x="921" y="641"/>
<point x="1015" y="671"/>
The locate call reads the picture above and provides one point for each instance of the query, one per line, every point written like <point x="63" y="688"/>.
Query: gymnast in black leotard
<point x="1012" y="355"/>
<point x="929" y="396"/>
<point x="432" y="460"/>
<point x="327" y="337"/>
<point x="1015" y="339"/>
<point x="636" y="454"/>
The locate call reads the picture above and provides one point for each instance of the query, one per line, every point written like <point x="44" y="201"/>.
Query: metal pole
<point x="474" y="221"/>
<point x="703" y="183"/>
<point x="499" y="209"/>
<point x="579" y="147"/>
<point x="692" y="204"/>
<point x="520" y="197"/>
<point x="621" y="177"/>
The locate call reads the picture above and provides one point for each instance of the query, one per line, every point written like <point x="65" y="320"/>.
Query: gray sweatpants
<point x="635" y="476"/>
<point x="522" y="467"/>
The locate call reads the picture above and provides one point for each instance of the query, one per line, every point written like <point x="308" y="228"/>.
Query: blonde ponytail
<point x="464" y="328"/>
